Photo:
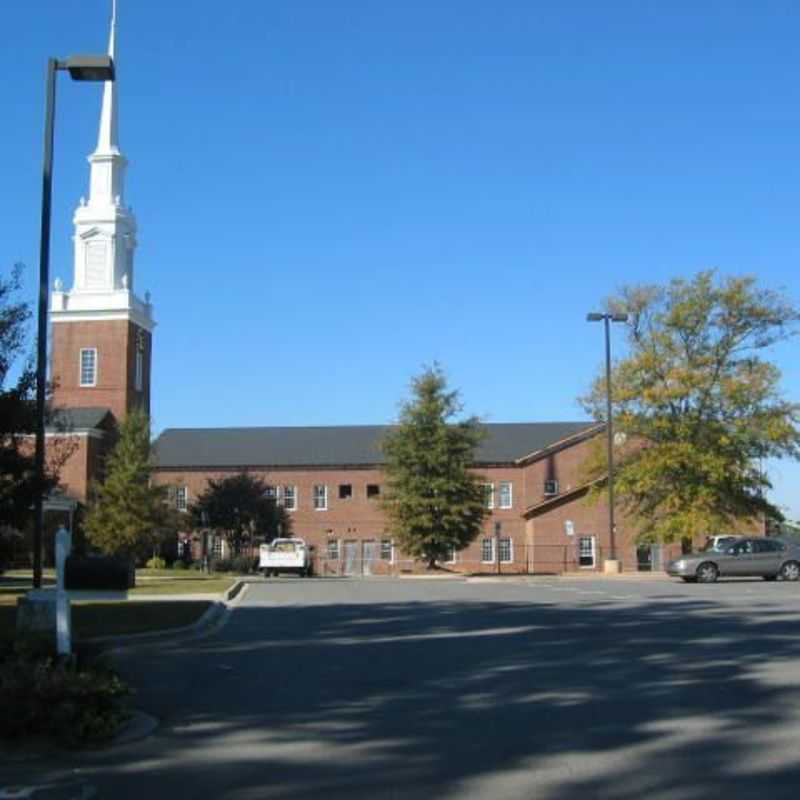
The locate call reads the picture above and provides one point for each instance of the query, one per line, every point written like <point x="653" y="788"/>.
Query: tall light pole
<point x="80" y="68"/>
<point x="608" y="319"/>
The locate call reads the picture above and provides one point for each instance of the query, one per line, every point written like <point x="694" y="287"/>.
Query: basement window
<point x="345" y="491"/>
<point x="373" y="491"/>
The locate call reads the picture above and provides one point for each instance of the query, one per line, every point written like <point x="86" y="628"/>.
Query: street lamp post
<point x="80" y="68"/>
<point x="607" y="319"/>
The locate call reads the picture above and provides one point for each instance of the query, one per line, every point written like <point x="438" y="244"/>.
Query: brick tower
<point x="102" y="332"/>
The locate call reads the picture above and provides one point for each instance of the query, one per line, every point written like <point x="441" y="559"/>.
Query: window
<point x="181" y="498"/>
<point x="451" y="556"/>
<point x="506" y="549"/>
<point x="139" y="376"/>
<point x="218" y="547"/>
<point x="332" y="550"/>
<point x="586" y="551"/>
<point x="345" y="491"/>
<point x="386" y="550"/>
<point x="488" y="494"/>
<point x="290" y="498"/>
<point x="271" y="493"/>
<point x="373" y="491"/>
<point x="320" y="497"/>
<point x="506" y="499"/>
<point x="89" y="367"/>
<point x="487" y="551"/>
<point x="550" y="488"/>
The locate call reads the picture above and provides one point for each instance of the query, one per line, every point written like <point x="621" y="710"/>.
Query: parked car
<point x="748" y="557"/>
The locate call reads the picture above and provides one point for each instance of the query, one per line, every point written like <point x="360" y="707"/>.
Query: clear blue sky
<point x="332" y="194"/>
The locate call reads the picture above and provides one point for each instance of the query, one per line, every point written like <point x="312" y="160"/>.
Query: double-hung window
<point x="386" y="550"/>
<point x="332" y="550"/>
<point x="488" y="495"/>
<point x="506" y="499"/>
<point x="181" y="498"/>
<point x="290" y="498"/>
<point x="506" y="550"/>
<point x="89" y="366"/>
<point x="487" y="551"/>
<point x="320" y="497"/>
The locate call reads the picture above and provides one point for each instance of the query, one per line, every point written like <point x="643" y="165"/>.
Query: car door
<point x="739" y="559"/>
<point x="769" y="555"/>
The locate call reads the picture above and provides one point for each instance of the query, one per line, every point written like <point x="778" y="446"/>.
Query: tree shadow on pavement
<point x="457" y="698"/>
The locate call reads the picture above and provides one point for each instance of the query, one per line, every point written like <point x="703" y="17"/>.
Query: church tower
<point x="102" y="332"/>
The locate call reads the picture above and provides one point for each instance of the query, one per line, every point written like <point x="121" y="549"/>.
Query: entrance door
<point x="371" y="555"/>
<point x="352" y="558"/>
<point x="586" y="552"/>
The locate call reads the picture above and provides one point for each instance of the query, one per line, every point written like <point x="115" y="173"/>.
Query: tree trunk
<point x="432" y="562"/>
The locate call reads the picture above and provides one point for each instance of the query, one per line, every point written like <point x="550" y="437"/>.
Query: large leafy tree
<point x="127" y="514"/>
<point x="433" y="501"/>
<point x="700" y="404"/>
<point x="241" y="509"/>
<point x="18" y="483"/>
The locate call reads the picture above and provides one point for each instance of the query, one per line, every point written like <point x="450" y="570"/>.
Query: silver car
<point x="751" y="557"/>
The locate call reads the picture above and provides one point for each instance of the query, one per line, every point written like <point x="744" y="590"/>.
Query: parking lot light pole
<point x="607" y="319"/>
<point x="80" y="68"/>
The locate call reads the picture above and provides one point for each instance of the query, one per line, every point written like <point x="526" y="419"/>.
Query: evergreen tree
<point x="433" y="501"/>
<point x="699" y="404"/>
<point x="126" y="513"/>
<point x="240" y="508"/>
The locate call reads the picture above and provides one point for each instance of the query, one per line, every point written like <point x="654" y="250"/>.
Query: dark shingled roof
<point x="77" y="419"/>
<point x="336" y="445"/>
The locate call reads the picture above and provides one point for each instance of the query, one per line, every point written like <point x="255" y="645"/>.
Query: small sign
<point x="569" y="527"/>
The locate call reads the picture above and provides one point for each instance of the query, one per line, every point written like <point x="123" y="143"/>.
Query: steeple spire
<point x="107" y="140"/>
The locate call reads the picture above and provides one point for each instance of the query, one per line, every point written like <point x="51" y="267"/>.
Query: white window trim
<point x="323" y="507"/>
<point x="510" y="559"/>
<point x="80" y="366"/>
<point x="593" y="540"/>
<point x="453" y="557"/>
<point x="488" y="495"/>
<point x="510" y="485"/>
<point x="493" y="559"/>
<point x="555" y="487"/>
<point x="328" y="555"/>
<point x="296" y="495"/>
<point x="185" y="490"/>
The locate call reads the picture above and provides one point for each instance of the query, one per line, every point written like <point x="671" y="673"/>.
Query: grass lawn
<point x="116" y="619"/>
<point x="195" y="584"/>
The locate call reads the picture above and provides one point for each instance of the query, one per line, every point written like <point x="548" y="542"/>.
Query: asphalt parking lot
<point x="524" y="688"/>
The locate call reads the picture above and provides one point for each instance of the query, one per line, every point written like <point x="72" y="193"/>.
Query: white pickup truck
<point x="285" y="555"/>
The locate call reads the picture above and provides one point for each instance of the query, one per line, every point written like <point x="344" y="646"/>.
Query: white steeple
<point x="105" y="229"/>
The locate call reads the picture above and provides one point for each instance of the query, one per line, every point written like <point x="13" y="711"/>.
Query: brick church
<point x="329" y="479"/>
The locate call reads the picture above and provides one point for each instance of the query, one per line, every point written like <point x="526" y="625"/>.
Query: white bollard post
<point x="63" y="610"/>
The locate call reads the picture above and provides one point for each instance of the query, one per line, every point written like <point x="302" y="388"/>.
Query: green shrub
<point x="243" y="564"/>
<point x="222" y="565"/>
<point x="156" y="563"/>
<point x="180" y="564"/>
<point x="71" y="699"/>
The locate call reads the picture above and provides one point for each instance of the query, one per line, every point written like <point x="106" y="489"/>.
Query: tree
<point x="126" y="513"/>
<point x="18" y="482"/>
<point x="433" y="500"/>
<point x="241" y="508"/>
<point x="699" y="404"/>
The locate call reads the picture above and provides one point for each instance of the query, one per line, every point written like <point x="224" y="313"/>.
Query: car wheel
<point x="790" y="571"/>
<point x="707" y="572"/>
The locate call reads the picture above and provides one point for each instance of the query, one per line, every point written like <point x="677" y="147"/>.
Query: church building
<point x="329" y="479"/>
<point x="102" y="332"/>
